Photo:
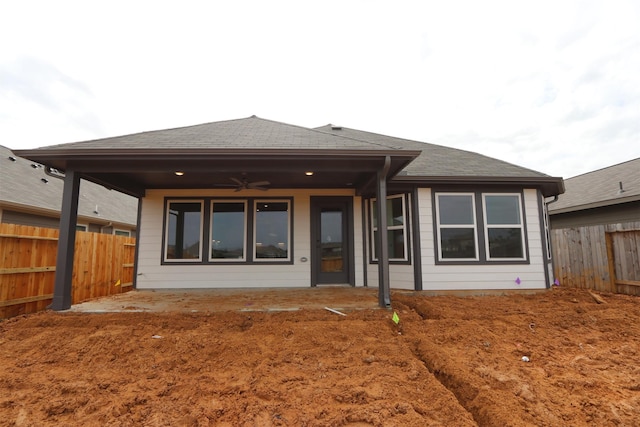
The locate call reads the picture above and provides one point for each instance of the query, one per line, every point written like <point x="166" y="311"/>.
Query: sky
<point x="553" y="86"/>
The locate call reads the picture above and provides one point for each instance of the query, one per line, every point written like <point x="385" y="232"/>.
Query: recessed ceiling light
<point x="179" y="173"/>
<point x="309" y="173"/>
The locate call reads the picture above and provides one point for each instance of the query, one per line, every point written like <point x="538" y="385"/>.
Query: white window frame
<point x="85" y="227"/>
<point x="166" y="231"/>
<point x="254" y="243"/>
<point x="244" y="234"/>
<point x="125" y="233"/>
<point x="473" y="226"/>
<point x="487" y="226"/>
<point x="402" y="227"/>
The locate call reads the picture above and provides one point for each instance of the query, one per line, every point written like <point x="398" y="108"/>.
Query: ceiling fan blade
<point x="237" y="181"/>
<point x="257" y="184"/>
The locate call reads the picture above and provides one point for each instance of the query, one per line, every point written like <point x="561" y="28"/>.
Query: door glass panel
<point x="331" y="241"/>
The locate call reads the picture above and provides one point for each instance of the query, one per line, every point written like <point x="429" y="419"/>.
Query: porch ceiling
<point x="136" y="172"/>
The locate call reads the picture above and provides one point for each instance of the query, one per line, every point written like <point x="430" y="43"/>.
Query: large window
<point x="459" y="238"/>
<point x="457" y="232"/>
<point x="183" y="237"/>
<point x="271" y="230"/>
<point x="230" y="231"/>
<point x="396" y="228"/>
<point x="503" y="226"/>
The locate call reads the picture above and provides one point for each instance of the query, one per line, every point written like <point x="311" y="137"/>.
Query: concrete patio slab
<point x="217" y="300"/>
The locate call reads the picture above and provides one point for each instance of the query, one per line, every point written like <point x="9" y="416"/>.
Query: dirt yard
<point x="449" y="362"/>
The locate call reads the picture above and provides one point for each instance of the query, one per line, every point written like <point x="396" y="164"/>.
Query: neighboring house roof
<point x="604" y="187"/>
<point x="215" y="150"/>
<point x="25" y="186"/>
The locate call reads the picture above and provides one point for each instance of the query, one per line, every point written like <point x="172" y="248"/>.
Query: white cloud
<point x="553" y="86"/>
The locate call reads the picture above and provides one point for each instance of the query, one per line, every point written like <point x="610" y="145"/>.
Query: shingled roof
<point x="25" y="186"/>
<point x="604" y="187"/>
<point x="438" y="160"/>
<point x="246" y="139"/>
<point x="248" y="133"/>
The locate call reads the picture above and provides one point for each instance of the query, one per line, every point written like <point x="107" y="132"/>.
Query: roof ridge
<point x="352" y="138"/>
<point x="317" y="130"/>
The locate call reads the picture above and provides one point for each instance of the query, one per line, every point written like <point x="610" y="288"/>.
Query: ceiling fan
<point x="244" y="184"/>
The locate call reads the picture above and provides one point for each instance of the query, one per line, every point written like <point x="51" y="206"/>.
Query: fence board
<point x="603" y="258"/>
<point x="28" y="259"/>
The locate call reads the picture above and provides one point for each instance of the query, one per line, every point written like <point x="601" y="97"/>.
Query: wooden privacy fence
<point x="103" y="265"/>
<point x="602" y="258"/>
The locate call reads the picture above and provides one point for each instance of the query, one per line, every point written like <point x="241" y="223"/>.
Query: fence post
<point x="610" y="261"/>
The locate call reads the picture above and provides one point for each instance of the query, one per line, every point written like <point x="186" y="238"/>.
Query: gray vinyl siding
<point x="621" y="213"/>
<point x="33" y="220"/>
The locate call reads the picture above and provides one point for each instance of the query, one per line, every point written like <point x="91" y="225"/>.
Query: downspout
<point x="110" y="224"/>
<point x="384" y="288"/>
<point x="137" y="248"/>
<point x="547" y="219"/>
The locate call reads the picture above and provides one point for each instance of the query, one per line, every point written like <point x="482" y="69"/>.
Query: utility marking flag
<point x="395" y="318"/>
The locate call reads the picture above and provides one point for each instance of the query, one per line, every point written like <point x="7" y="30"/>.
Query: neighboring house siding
<point x="488" y="275"/>
<point x="153" y="275"/>
<point x="22" y="218"/>
<point x="618" y="213"/>
<point x="34" y="220"/>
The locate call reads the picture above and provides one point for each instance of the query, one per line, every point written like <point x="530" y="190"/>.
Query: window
<point x="456" y="227"/>
<point x="271" y="230"/>
<point x="183" y="230"/>
<point x="503" y="226"/>
<point x="228" y="230"/>
<point x="122" y="233"/>
<point x="500" y="238"/>
<point x="81" y="227"/>
<point x="396" y="228"/>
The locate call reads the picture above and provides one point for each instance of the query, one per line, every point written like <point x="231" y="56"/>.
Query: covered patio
<point x="343" y="299"/>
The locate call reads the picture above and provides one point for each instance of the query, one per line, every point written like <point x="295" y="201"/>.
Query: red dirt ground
<point x="449" y="362"/>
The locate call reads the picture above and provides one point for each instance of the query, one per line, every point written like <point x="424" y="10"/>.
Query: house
<point x="30" y="196"/>
<point x="606" y="196"/>
<point x="592" y="230"/>
<point x="258" y="203"/>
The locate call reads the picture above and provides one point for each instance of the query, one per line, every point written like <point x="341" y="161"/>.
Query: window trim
<point x="405" y="227"/>
<point x="254" y="246"/>
<point x="119" y="230"/>
<point x="165" y="240"/>
<point x="244" y="258"/>
<point x="82" y="227"/>
<point x="473" y="226"/>
<point x="479" y="219"/>
<point x="205" y="229"/>
<point x="488" y="226"/>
